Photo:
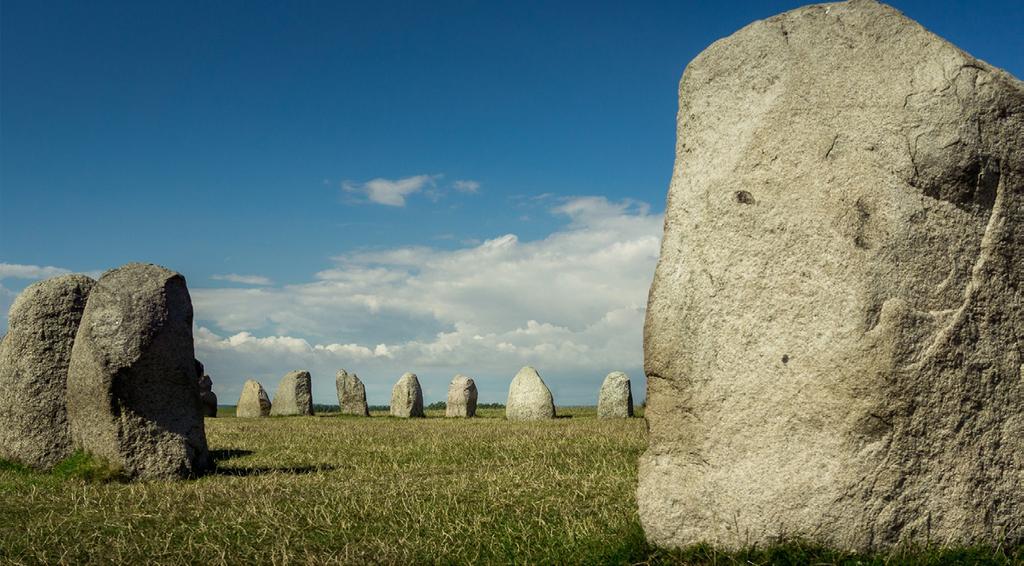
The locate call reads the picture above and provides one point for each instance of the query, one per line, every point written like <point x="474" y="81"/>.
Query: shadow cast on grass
<point x="264" y="470"/>
<point x="224" y="455"/>
<point x="229" y="453"/>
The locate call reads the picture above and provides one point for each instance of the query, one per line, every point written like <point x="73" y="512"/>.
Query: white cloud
<point x="571" y="304"/>
<point x="466" y="186"/>
<point x="244" y="279"/>
<point x="391" y="192"/>
<point x="20" y="271"/>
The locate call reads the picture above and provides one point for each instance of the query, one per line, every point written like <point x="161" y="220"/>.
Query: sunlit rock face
<point x="834" y="338"/>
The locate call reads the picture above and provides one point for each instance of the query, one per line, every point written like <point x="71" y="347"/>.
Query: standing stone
<point x="206" y="394"/>
<point x="461" y="397"/>
<point x="836" y="323"/>
<point x="407" y="397"/>
<point x="351" y="394"/>
<point x="529" y="399"/>
<point x="133" y="392"/>
<point x="254" y="401"/>
<point x="616" y="398"/>
<point x="34" y="359"/>
<point x="294" y="395"/>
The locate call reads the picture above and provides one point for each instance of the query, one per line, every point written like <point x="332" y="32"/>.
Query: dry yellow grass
<point x="331" y="489"/>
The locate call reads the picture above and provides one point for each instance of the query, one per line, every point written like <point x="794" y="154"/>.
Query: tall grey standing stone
<point x="294" y="395"/>
<point x="407" y="397"/>
<point x="254" y="401"/>
<point x="351" y="394"/>
<point x="529" y="399"/>
<point x="616" y="398"/>
<point x="34" y="359"/>
<point x="836" y="323"/>
<point x="462" y="396"/>
<point x="133" y="392"/>
<point x="206" y="394"/>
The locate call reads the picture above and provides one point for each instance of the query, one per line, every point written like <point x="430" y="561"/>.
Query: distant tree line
<point x="438" y="405"/>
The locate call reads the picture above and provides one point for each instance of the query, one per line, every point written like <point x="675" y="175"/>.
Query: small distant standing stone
<point x="34" y="358"/>
<point x="133" y="392"/>
<point x="461" y="397"/>
<point x="294" y="395"/>
<point x="529" y="399"/>
<point x="351" y="394"/>
<point x="407" y="397"/>
<point x="254" y="401"/>
<point x="616" y="399"/>
<point x="206" y="394"/>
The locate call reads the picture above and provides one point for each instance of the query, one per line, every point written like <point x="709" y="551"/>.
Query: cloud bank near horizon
<point x="572" y="305"/>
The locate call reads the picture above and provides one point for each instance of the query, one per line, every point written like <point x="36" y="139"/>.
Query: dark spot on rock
<point x="743" y="197"/>
<point x="785" y="358"/>
<point x="861" y="238"/>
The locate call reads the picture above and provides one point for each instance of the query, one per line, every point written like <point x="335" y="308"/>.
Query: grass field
<point x="330" y="489"/>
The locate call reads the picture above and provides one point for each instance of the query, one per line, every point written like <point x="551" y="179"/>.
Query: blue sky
<point x="435" y="187"/>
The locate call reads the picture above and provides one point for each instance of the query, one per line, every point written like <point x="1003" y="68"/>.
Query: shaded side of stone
<point x="351" y="394"/>
<point x="407" y="397"/>
<point x="133" y="393"/>
<point x="616" y="398"/>
<point x="462" y="395"/>
<point x="294" y="395"/>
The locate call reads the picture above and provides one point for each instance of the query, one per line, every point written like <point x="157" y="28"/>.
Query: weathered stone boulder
<point x="407" y="397"/>
<point x="461" y="397"/>
<point x="529" y="399"/>
<point x="294" y="395"/>
<point x="206" y="394"/>
<point x="351" y="394"/>
<point x="254" y="401"/>
<point x="133" y="392"/>
<point x="34" y="359"/>
<point x="616" y="398"/>
<point x="836" y="323"/>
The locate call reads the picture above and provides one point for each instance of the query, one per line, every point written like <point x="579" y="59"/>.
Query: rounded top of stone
<point x="408" y="376"/>
<point x="141" y="270"/>
<point x="528" y="372"/>
<point x="49" y="294"/>
<point x="620" y="375"/>
<point x="298" y="373"/>
<point x="459" y="378"/>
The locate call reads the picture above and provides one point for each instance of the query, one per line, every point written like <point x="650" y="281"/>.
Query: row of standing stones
<point x="528" y="397"/>
<point x="108" y="367"/>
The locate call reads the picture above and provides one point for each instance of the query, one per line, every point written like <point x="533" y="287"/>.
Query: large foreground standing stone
<point x="294" y="395"/>
<point x="462" y="396"/>
<point x="206" y="394"/>
<point x="254" y="401"/>
<point x="616" y="398"/>
<point x="351" y="394"/>
<point x="133" y="392"/>
<point x="529" y="399"/>
<point x="835" y="329"/>
<point x="407" y="397"/>
<point x="34" y="359"/>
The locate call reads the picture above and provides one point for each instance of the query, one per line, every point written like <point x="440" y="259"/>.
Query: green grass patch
<point x="314" y="490"/>
<point x="89" y="468"/>
<point x="14" y="467"/>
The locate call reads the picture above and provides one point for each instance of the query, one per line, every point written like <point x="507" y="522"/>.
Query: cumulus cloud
<point x="390" y="192"/>
<point x="466" y="186"/>
<point x="244" y="279"/>
<point x="571" y="304"/>
<point x="21" y="271"/>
